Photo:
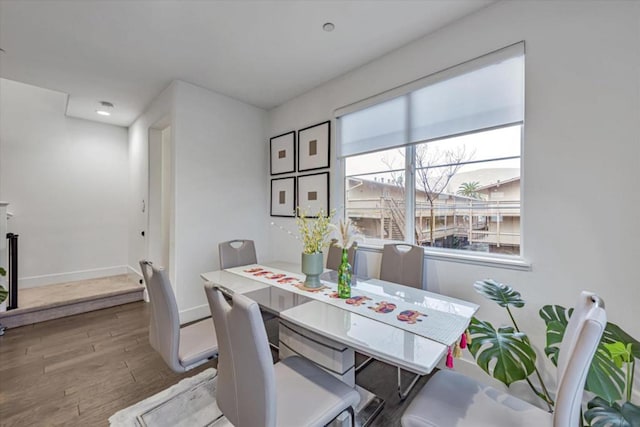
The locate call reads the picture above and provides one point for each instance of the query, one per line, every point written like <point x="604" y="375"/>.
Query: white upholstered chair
<point x="450" y="399"/>
<point x="404" y="264"/>
<point x="253" y="392"/>
<point x="237" y="252"/>
<point x="181" y="348"/>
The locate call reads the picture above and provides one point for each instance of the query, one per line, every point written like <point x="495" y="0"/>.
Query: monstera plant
<point x="507" y="355"/>
<point x="3" y="291"/>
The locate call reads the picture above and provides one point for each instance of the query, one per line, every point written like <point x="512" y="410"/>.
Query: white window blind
<point x="483" y="93"/>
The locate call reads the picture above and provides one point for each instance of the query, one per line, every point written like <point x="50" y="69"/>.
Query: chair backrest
<point x="334" y="256"/>
<point x="579" y="344"/>
<point x="164" y="324"/>
<point x="402" y="266"/>
<point x="237" y="252"/>
<point x="245" y="391"/>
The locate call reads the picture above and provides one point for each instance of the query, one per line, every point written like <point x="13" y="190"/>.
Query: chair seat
<point x="450" y="399"/>
<point x="307" y="395"/>
<point x="198" y="342"/>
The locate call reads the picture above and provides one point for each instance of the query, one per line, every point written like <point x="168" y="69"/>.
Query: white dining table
<point x="309" y="320"/>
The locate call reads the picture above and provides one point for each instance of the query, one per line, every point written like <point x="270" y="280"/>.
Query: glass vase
<point x="344" y="276"/>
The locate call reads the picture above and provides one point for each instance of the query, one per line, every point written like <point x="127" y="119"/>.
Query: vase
<point x="312" y="267"/>
<point x="344" y="276"/>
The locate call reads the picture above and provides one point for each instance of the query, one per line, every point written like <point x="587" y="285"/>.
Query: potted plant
<point x="508" y="356"/>
<point x="314" y="233"/>
<point x="3" y="291"/>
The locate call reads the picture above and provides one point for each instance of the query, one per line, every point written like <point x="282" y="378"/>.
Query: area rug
<point x="190" y="403"/>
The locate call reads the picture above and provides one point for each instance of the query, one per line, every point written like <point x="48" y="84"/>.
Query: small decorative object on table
<point x="315" y="238"/>
<point x="347" y="237"/>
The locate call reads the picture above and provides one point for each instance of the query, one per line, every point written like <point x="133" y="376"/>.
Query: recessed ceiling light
<point x="328" y="27"/>
<point x="104" y="108"/>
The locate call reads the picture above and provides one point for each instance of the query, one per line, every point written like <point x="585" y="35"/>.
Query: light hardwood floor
<point x="79" y="370"/>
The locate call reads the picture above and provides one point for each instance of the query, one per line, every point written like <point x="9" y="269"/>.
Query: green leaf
<point x="502" y="294"/>
<point x="619" y="352"/>
<point x="604" y="379"/>
<point x="504" y="354"/>
<point x="3" y="272"/>
<point x="556" y="318"/>
<point x="613" y="333"/>
<point x="601" y="414"/>
<point x="3" y="294"/>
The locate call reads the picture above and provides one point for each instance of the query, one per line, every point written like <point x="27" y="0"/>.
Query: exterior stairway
<point x="66" y="299"/>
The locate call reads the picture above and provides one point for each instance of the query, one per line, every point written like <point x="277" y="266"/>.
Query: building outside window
<point x="437" y="162"/>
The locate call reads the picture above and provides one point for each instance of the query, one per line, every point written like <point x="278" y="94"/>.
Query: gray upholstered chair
<point x="237" y="252"/>
<point x="334" y="256"/>
<point x="253" y="392"/>
<point x="181" y="348"/>
<point x="404" y="264"/>
<point x="451" y="399"/>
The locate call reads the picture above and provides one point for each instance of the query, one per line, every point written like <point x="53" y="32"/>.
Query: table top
<point x="379" y="340"/>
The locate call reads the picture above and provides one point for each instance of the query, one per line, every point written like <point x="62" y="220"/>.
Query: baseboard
<point x="72" y="276"/>
<point x="132" y="270"/>
<point x="195" y="313"/>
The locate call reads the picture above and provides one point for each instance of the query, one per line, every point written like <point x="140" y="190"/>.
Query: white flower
<point x="347" y="234"/>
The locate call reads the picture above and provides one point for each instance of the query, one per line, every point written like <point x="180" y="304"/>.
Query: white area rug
<point x="190" y="403"/>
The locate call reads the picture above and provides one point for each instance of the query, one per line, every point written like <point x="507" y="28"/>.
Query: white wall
<point x="220" y="192"/>
<point x="220" y="189"/>
<point x="581" y="149"/>
<point x="66" y="182"/>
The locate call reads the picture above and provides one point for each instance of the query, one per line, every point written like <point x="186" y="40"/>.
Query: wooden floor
<point x="79" y="370"/>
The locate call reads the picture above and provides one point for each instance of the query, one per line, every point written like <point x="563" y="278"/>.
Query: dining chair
<point x="404" y="264"/>
<point x="451" y="399"/>
<point x="253" y="392"/>
<point x="181" y="348"/>
<point x="334" y="256"/>
<point x="237" y="252"/>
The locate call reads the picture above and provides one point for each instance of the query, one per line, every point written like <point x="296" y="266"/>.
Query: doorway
<point x="160" y="197"/>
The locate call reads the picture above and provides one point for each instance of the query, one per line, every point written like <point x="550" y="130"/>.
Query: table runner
<point x="439" y="326"/>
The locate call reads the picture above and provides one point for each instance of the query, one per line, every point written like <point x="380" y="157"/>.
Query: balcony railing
<point x="464" y="222"/>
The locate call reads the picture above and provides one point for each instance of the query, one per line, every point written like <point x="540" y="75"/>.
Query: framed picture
<point x="314" y="147"/>
<point x="283" y="153"/>
<point x="313" y="193"/>
<point x="283" y="193"/>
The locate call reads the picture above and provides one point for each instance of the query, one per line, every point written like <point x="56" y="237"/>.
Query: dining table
<point x="410" y="328"/>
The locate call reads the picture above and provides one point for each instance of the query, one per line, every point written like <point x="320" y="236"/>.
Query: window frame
<point x="516" y="262"/>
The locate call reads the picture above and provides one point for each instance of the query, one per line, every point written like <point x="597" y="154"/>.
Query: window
<point x="437" y="162"/>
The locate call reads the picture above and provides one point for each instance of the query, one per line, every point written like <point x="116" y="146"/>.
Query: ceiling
<point x="260" y="52"/>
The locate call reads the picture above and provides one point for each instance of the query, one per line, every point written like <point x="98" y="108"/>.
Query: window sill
<point x="474" y="258"/>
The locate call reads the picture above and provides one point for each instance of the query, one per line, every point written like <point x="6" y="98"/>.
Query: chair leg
<point x="364" y="364"/>
<point x="352" y="414"/>
<point x="403" y="394"/>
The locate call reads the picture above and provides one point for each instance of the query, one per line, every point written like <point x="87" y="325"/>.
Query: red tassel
<point x="449" y="359"/>
<point x="463" y="341"/>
